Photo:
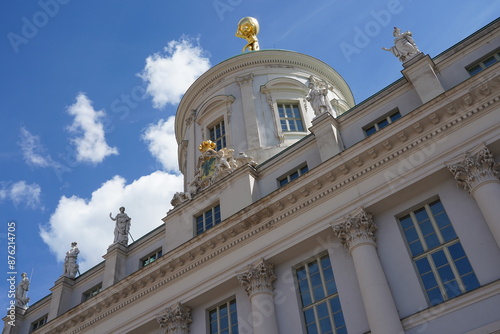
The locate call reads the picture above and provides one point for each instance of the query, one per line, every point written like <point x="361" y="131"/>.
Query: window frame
<point x="430" y="252"/>
<point x="290" y="120"/>
<point x="157" y="253"/>
<point x="92" y="292"/>
<point x="219" y="122"/>
<point x="227" y="302"/>
<point x="287" y="176"/>
<point x="375" y="124"/>
<point x="212" y="210"/>
<point x="327" y="298"/>
<point x="480" y="62"/>
<point x="37" y="323"/>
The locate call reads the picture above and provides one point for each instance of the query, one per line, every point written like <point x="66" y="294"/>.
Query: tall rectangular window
<point x="443" y="267"/>
<point x="218" y="135"/>
<point x="223" y="319"/>
<point x="208" y="219"/>
<point x="290" y="118"/>
<point x="319" y="297"/>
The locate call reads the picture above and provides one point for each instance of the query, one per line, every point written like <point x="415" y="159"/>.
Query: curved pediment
<point x="285" y="84"/>
<point x="215" y="103"/>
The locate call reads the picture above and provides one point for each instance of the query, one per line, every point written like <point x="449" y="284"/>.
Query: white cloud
<point x="162" y="144"/>
<point x="170" y="74"/>
<point x="33" y="151"/>
<point x="22" y="193"/>
<point x="87" y="222"/>
<point x="91" y="145"/>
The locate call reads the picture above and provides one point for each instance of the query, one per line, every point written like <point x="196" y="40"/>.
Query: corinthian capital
<point x="175" y="319"/>
<point x="245" y="79"/>
<point x="356" y="228"/>
<point x="474" y="168"/>
<point x="258" y="277"/>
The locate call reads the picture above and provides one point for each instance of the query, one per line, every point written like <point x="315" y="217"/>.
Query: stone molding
<point x="357" y="228"/>
<point x="258" y="277"/>
<point x="475" y="168"/>
<point x="259" y="219"/>
<point x="175" y="319"/>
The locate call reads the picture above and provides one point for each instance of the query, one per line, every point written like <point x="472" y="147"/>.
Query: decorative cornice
<point x="253" y="222"/>
<point x="175" y="319"/>
<point x="475" y="168"/>
<point x="258" y="277"/>
<point x="355" y="229"/>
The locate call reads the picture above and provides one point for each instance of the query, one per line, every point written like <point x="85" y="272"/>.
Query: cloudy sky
<point x="90" y="90"/>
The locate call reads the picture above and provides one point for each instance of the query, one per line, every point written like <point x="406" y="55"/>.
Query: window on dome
<point x="218" y="134"/>
<point x="440" y="260"/>
<point x="290" y="117"/>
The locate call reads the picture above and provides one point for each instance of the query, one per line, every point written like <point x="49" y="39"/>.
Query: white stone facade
<point x="344" y="213"/>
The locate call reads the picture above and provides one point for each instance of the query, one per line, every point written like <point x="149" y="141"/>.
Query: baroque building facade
<point x="305" y="213"/>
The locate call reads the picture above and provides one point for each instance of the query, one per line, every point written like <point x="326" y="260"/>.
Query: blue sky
<point x="90" y="90"/>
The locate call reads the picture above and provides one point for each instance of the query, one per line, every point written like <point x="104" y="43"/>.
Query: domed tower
<point x="257" y="103"/>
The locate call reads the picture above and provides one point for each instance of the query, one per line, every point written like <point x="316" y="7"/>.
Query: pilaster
<point x="420" y="72"/>
<point x="325" y="129"/>
<point x="61" y="297"/>
<point x="247" y="99"/>
<point x="114" y="265"/>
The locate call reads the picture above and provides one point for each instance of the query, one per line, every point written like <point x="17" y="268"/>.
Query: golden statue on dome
<point x="248" y="28"/>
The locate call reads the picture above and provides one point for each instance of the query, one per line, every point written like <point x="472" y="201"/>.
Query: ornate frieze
<point x="356" y="229"/>
<point x="175" y="319"/>
<point x="258" y="277"/>
<point x="475" y="168"/>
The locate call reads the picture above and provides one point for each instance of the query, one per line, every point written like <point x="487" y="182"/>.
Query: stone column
<point x="477" y="173"/>
<point x="114" y="265"/>
<point x="175" y="319"/>
<point x="257" y="280"/>
<point x="357" y="233"/>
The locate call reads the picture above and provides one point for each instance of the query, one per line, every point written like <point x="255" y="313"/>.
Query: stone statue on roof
<point x="122" y="227"/>
<point x="22" y="291"/>
<point x="404" y="46"/>
<point x="70" y="264"/>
